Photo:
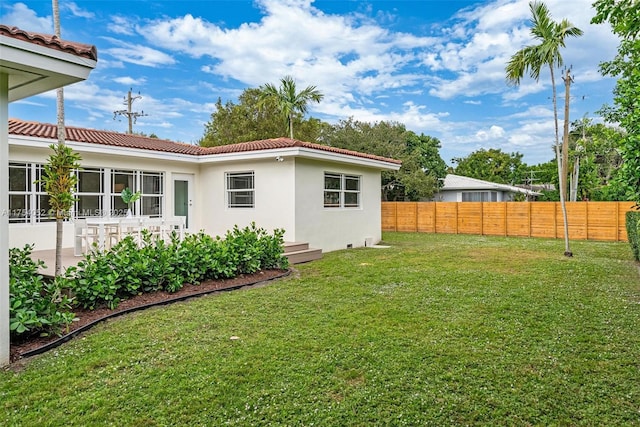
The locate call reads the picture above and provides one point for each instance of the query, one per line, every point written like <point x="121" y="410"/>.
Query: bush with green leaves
<point x="37" y="306"/>
<point x="633" y="232"/>
<point x="128" y="269"/>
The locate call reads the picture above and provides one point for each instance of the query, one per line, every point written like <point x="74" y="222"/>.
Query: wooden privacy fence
<point x="587" y="220"/>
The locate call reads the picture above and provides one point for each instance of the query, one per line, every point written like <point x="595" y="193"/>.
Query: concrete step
<point x="295" y="246"/>
<point x="304" y="255"/>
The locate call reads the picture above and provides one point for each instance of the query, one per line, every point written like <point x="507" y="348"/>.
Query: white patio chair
<point x="85" y="236"/>
<point x="130" y="227"/>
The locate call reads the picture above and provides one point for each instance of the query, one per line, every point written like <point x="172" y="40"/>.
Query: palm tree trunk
<point x="565" y="163"/>
<point x="61" y="141"/>
<point x="562" y="181"/>
<point x="291" y="126"/>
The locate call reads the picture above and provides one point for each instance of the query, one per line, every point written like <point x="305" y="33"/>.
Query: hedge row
<point x="633" y="232"/>
<point x="128" y="269"/>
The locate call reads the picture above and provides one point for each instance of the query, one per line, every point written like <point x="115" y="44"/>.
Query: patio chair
<point x="85" y="236"/>
<point x="130" y="227"/>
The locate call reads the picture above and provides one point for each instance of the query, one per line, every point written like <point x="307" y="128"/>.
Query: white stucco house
<point x="458" y="188"/>
<point x="321" y="195"/>
<point x="30" y="64"/>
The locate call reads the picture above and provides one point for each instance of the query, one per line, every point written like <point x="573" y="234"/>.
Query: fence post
<point x="504" y="212"/>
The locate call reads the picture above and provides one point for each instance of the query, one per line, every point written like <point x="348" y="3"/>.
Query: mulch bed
<point x="87" y="318"/>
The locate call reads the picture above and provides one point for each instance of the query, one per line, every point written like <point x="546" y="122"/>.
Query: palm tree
<point x="551" y="36"/>
<point x="288" y="100"/>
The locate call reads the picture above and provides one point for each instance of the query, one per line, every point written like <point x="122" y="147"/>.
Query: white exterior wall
<point x="274" y="197"/>
<point x="288" y="195"/>
<point x="456" y="195"/>
<point x="42" y="235"/>
<point x="332" y="229"/>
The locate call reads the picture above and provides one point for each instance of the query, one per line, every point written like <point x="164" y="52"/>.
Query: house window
<point x="149" y="184"/>
<point x="90" y="193"/>
<point x="151" y="194"/>
<point x="20" y="184"/>
<point x="240" y="189"/>
<point x="121" y="179"/>
<point x="341" y="191"/>
<point x="28" y="201"/>
<point x="479" y="196"/>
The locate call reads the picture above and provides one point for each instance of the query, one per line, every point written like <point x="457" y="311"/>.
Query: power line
<point x="132" y="116"/>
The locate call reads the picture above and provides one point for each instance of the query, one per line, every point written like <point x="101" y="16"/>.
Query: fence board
<point x="586" y="220"/>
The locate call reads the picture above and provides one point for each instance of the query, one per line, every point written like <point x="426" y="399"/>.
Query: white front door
<point x="183" y="198"/>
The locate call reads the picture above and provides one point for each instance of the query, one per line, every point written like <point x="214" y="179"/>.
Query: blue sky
<point x="437" y="66"/>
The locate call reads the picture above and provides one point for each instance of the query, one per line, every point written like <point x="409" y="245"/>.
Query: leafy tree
<point x="288" y="100"/>
<point x="249" y="121"/>
<point x="623" y="18"/>
<point x="596" y="159"/>
<point x="492" y="165"/>
<point x="551" y="37"/>
<point x="422" y="167"/>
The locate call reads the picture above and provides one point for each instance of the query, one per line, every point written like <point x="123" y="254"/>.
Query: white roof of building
<point x="458" y="182"/>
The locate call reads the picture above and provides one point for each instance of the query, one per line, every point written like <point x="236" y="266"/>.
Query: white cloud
<point x="138" y="54"/>
<point x="130" y="81"/>
<point x="21" y="16"/>
<point x="77" y="11"/>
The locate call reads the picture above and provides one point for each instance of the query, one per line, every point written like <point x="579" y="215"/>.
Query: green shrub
<point x="633" y="232"/>
<point x="36" y="305"/>
<point x="105" y="278"/>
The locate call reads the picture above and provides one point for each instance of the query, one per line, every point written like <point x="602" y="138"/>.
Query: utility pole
<point x="132" y="116"/>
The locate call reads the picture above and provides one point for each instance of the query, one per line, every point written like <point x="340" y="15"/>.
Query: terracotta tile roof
<point x="275" y="143"/>
<point x="115" y="139"/>
<point x="102" y="137"/>
<point x="52" y="42"/>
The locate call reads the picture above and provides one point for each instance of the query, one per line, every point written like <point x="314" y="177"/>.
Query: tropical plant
<point x="36" y="305"/>
<point x="288" y="100"/>
<point x="623" y="17"/>
<point x="59" y="183"/>
<point x="250" y="120"/>
<point x="129" y="197"/>
<point x="551" y="36"/>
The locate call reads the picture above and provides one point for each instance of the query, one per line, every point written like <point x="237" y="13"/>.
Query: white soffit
<point x="34" y="69"/>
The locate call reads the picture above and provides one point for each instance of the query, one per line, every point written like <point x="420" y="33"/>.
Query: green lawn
<point x="434" y="330"/>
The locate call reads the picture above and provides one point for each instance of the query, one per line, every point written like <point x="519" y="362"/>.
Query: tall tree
<point x="551" y="36"/>
<point x="492" y="165"/>
<point x="288" y="100"/>
<point x="623" y="18"/>
<point x="248" y="121"/>
<point x="422" y="167"/>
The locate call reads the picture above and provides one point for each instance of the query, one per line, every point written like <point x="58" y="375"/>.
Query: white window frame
<point x="345" y="191"/>
<point x="101" y="193"/>
<point x="232" y="193"/>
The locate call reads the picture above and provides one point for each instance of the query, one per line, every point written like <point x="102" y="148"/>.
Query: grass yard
<point x="434" y="330"/>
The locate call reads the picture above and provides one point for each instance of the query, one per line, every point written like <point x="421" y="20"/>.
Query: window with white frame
<point x="20" y="189"/>
<point x="240" y="189"/>
<point x="149" y="184"/>
<point x="90" y="193"/>
<point x="151" y="193"/>
<point x="341" y="190"/>
<point x="121" y="179"/>
<point x="479" y="196"/>
<point x="28" y="202"/>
